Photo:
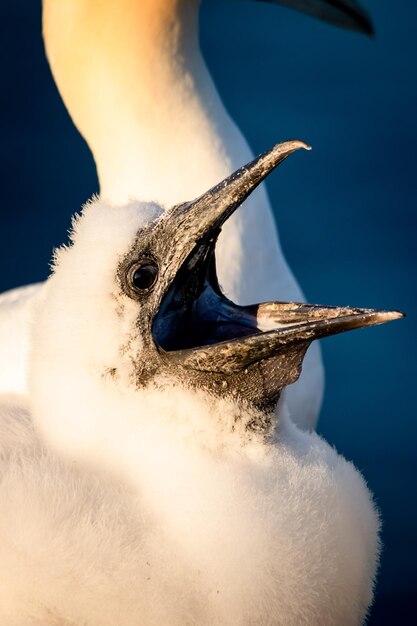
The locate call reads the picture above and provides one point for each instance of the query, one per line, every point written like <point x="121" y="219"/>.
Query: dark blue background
<point x="346" y="211"/>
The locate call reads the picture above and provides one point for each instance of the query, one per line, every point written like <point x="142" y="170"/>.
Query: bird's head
<point x="191" y="331"/>
<point x="134" y="304"/>
<point x="155" y="270"/>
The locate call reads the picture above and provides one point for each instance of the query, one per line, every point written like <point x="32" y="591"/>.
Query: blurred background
<point x="347" y="212"/>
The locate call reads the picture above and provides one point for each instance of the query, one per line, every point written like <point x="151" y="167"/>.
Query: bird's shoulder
<point x="16" y="314"/>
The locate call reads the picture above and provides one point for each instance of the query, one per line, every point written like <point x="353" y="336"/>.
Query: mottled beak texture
<point x="251" y="352"/>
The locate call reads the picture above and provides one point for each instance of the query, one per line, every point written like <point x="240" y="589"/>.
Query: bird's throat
<point x="132" y="76"/>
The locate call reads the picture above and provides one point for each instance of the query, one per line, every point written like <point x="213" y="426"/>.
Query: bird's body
<point x="145" y="478"/>
<point x="237" y="535"/>
<point x="129" y="504"/>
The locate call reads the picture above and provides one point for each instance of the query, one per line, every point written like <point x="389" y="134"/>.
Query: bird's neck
<point x="133" y="79"/>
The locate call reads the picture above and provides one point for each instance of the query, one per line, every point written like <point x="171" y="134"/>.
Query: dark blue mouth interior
<point x="195" y="313"/>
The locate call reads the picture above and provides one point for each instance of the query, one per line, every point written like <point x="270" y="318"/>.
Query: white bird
<point x="133" y="79"/>
<point x="149" y="482"/>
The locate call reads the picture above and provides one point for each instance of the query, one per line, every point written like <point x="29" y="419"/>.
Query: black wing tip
<point x="347" y="14"/>
<point x="363" y="25"/>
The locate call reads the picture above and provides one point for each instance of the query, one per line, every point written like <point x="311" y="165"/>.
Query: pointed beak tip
<point x="374" y="318"/>
<point x="389" y="316"/>
<point x="291" y="146"/>
<point x="280" y="151"/>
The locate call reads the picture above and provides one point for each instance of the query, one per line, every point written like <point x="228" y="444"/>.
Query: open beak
<point x="200" y="329"/>
<point x="292" y="325"/>
<point x="344" y="13"/>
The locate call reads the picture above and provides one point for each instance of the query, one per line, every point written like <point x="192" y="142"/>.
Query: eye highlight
<point x="142" y="276"/>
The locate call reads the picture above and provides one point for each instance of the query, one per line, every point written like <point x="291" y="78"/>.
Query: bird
<point x="137" y="88"/>
<point x="150" y="479"/>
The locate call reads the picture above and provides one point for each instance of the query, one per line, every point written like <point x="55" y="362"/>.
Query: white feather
<point x="130" y="506"/>
<point x="133" y="78"/>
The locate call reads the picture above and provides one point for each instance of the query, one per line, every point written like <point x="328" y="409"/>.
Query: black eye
<point x="143" y="276"/>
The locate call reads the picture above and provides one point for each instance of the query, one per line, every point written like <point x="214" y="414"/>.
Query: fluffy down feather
<point x="126" y="506"/>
